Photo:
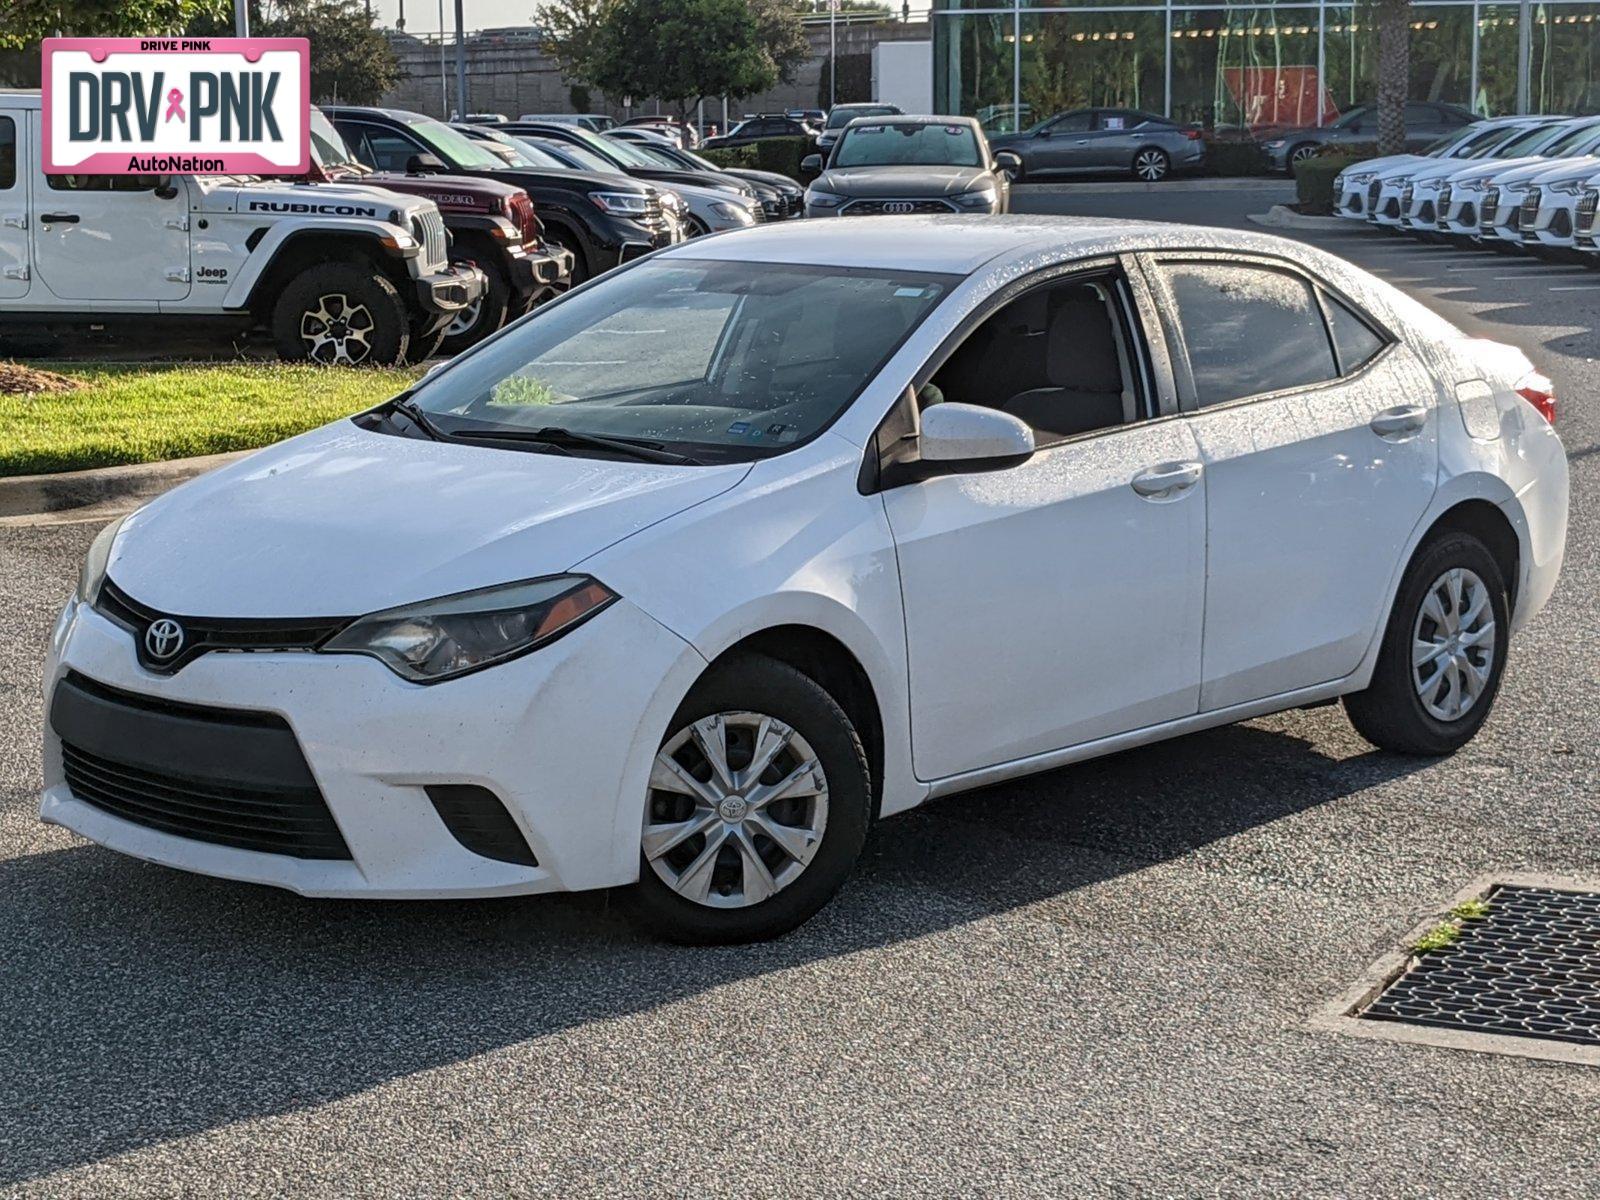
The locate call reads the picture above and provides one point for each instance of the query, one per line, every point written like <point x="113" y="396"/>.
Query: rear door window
<point x="1247" y="329"/>
<point x="8" y="154"/>
<point x="1354" y="339"/>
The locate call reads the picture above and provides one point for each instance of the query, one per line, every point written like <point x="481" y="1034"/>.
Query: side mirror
<point x="165" y="189"/>
<point x="1008" y="164"/>
<point x="422" y="164"/>
<point x="954" y="433"/>
<point x="812" y="164"/>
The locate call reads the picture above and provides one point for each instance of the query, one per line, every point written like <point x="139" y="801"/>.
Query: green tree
<point x="571" y="32"/>
<point x="351" y="61"/>
<point x="24" y="22"/>
<point x="782" y="36"/>
<point x="690" y="51"/>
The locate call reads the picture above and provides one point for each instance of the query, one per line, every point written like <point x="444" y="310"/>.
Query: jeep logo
<point x="303" y="207"/>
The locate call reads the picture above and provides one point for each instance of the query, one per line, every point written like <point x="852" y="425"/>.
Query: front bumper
<point x="536" y="274"/>
<point x="1553" y="224"/>
<point x="443" y="294"/>
<point x="564" y="737"/>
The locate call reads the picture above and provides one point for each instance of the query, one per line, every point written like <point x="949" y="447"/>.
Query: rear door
<point x="13" y="208"/>
<point x="1114" y="140"/>
<point x="1319" y="434"/>
<point x="111" y="238"/>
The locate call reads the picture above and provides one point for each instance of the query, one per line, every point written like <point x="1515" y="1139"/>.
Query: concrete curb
<point x="1280" y="216"/>
<point x="99" y="493"/>
<point x="1062" y="188"/>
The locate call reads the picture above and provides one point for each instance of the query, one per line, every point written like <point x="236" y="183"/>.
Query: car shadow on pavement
<point x="140" y="1005"/>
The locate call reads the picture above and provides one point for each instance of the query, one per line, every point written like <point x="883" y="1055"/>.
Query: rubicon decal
<point x="303" y="206"/>
<point x="150" y="106"/>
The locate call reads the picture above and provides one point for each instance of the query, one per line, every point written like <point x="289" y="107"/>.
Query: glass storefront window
<point x="975" y="67"/>
<point x="1563" y="59"/>
<point x="1093" y="60"/>
<point x="1246" y="68"/>
<point x="1496" y="94"/>
<point x="1441" y="54"/>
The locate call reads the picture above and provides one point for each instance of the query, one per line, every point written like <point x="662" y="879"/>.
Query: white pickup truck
<point x="339" y="273"/>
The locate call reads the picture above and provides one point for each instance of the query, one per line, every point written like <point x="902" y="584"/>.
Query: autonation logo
<point x="152" y="106"/>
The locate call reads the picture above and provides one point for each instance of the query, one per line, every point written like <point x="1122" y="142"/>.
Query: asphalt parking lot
<point x="1095" y="982"/>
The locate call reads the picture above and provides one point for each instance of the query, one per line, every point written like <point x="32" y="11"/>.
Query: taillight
<point x="1538" y="391"/>
<point x="1194" y="135"/>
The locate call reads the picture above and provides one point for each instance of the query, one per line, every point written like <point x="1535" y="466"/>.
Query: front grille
<point x="526" y="219"/>
<point x="228" y="777"/>
<point x="1407" y="194"/>
<point x="1443" y="216"/>
<point x="1489" y="209"/>
<point x="870" y="208"/>
<point x="1528" y="218"/>
<point x="759" y="213"/>
<point x="1374" y="191"/>
<point x="430" y="231"/>
<point x="1588" y="205"/>
<point x="201" y="635"/>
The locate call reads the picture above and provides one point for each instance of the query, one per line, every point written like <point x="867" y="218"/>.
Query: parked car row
<point x="1523" y="183"/>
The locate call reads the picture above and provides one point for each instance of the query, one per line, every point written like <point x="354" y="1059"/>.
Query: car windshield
<point x="1456" y="137"/>
<point x="910" y="144"/>
<point x="615" y="153"/>
<point x="723" y="361"/>
<point x="455" y="147"/>
<point x="1491" y="141"/>
<point x="1532" y="141"/>
<point x="579" y="158"/>
<point x="327" y="147"/>
<point x="1351" y="117"/>
<point x="657" y="156"/>
<point x="1573" y="139"/>
<point x="840" y="117"/>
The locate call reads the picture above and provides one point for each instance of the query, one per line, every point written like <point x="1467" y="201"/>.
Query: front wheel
<point x="758" y="806"/>
<point x="1301" y="153"/>
<point x="1443" y="653"/>
<point x="1151" y="165"/>
<point x="341" y="314"/>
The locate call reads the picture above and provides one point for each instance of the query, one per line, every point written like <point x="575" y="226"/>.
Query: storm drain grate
<point x="1529" y="967"/>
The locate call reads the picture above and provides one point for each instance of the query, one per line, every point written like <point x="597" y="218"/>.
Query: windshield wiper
<point x="560" y="439"/>
<point x="417" y="417"/>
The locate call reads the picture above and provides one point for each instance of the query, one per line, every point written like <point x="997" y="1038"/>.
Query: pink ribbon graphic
<point x="174" y="106"/>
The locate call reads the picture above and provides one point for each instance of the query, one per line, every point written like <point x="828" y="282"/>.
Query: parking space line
<point x="1578" y="287"/>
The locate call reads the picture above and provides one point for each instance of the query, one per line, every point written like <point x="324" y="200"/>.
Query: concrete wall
<point x="514" y="78"/>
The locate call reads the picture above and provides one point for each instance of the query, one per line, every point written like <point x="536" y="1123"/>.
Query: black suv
<point x="601" y="219"/>
<point x="754" y="129"/>
<point x="630" y="160"/>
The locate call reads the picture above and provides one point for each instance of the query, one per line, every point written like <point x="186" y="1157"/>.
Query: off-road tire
<point x="365" y="286"/>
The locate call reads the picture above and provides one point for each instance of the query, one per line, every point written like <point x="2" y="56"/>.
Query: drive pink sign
<point x="177" y="106"/>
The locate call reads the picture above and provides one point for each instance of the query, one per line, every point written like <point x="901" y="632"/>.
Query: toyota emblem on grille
<point x="899" y="206"/>
<point x="163" y="639"/>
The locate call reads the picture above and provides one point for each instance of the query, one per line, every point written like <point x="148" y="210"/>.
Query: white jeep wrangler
<point x="338" y="273"/>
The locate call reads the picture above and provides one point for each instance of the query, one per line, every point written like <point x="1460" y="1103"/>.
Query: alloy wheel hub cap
<point x="737" y="808"/>
<point x="1453" y="645"/>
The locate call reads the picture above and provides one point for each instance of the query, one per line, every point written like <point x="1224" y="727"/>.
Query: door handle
<point x="63" y="218"/>
<point x="1167" y="479"/>
<point x="1404" y="418"/>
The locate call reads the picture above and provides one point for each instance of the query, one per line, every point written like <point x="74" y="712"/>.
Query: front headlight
<point x="1471" y="185"/>
<point x="732" y="212"/>
<point x="96" y="562"/>
<point x="1277" y="144"/>
<point x="443" y="638"/>
<point x="622" y="204"/>
<point x="982" y="198"/>
<point x="823" y="199"/>
<point x="1567" y="187"/>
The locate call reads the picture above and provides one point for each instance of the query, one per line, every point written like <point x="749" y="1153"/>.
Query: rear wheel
<point x="341" y="314"/>
<point x="485" y="314"/>
<point x="1302" y="152"/>
<point x="1151" y="165"/>
<point x="1443" y="653"/>
<point x="758" y="806"/>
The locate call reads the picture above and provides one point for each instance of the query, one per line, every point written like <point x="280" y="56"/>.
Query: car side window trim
<point x="1188" y="394"/>
<point x="1327" y="295"/>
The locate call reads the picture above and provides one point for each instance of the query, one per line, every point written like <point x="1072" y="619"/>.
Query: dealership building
<point x="1016" y="63"/>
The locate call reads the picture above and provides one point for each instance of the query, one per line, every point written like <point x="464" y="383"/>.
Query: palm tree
<point x="1394" y="69"/>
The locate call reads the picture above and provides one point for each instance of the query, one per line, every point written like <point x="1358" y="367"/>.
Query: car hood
<point x="870" y="182"/>
<point x="1535" y="168"/>
<point x="1582" y="168"/>
<point x="1382" y="168"/>
<point x="343" y="521"/>
<point x="1495" y="169"/>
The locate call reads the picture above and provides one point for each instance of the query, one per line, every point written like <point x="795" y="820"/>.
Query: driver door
<point x="1061" y="145"/>
<point x="111" y="238"/>
<point x="1060" y="600"/>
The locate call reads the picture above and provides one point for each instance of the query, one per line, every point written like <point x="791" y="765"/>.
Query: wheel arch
<point x="1489" y="524"/>
<point x="829" y="663"/>
<point x="279" y="256"/>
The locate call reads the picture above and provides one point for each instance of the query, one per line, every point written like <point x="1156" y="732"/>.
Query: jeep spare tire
<point x="341" y="314"/>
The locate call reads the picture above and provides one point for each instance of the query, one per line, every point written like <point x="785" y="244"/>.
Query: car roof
<point x="916" y="119"/>
<point x="959" y="244"/>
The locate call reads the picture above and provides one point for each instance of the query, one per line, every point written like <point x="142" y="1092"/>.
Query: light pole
<point x="444" y="77"/>
<point x="833" y="54"/>
<point x="241" y="18"/>
<point x="461" y="67"/>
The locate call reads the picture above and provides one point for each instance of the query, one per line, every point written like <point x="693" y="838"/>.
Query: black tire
<point x="580" y="264"/>
<point x="758" y="684"/>
<point x="492" y="309"/>
<point x="1390" y="713"/>
<point x="1300" y="153"/>
<point x="697" y="227"/>
<point x="420" y="346"/>
<point x="294" y="316"/>
<point x="1151" y="165"/>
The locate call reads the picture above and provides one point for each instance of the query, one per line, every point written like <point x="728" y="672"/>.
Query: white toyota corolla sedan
<point x="688" y="577"/>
